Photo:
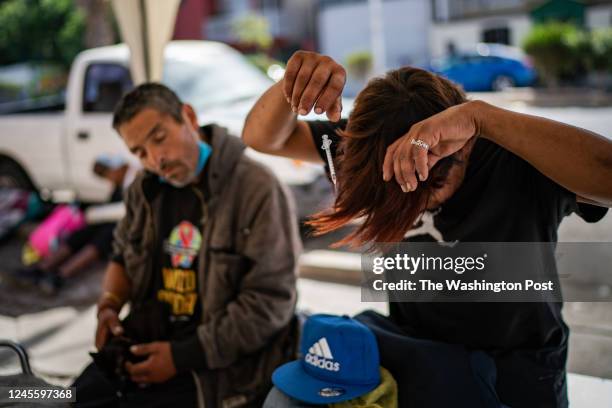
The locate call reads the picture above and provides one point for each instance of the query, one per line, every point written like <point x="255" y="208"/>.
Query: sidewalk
<point x="58" y="340"/>
<point x="550" y="98"/>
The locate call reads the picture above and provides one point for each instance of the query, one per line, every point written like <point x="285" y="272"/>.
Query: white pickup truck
<point x="53" y="149"/>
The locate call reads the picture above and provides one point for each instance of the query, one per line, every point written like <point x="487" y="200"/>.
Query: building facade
<point x="463" y="23"/>
<point x="290" y="21"/>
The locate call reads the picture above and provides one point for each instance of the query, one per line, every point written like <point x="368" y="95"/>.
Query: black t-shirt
<point x="501" y="199"/>
<point x="175" y="269"/>
<point x="177" y="252"/>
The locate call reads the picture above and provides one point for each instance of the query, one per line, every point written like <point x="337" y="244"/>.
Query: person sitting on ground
<point x="87" y="245"/>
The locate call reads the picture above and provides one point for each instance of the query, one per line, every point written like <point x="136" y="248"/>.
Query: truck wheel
<point x="13" y="176"/>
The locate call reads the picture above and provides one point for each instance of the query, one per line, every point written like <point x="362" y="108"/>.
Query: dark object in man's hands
<point x="145" y="324"/>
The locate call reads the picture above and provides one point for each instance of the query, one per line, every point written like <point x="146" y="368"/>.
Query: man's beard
<point x="174" y="182"/>
<point x="181" y="184"/>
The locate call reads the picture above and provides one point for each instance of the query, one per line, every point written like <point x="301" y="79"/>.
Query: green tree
<point x="359" y="63"/>
<point x="40" y="30"/>
<point x="253" y="30"/>
<point x="581" y="47"/>
<point x="550" y="46"/>
<point x="601" y="45"/>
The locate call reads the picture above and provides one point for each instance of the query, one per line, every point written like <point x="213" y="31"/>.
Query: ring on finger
<point x="419" y="143"/>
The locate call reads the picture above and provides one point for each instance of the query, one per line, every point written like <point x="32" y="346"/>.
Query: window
<point x="104" y="85"/>
<point x="496" y="35"/>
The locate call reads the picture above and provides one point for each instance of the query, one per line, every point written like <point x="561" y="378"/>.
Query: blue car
<point x="489" y="68"/>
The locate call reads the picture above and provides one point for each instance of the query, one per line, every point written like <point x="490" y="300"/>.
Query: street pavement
<point x="59" y="339"/>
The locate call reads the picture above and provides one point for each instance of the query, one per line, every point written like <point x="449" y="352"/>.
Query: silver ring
<point x="420" y="143"/>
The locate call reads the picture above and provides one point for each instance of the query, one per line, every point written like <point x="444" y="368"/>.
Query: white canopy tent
<point x="146" y="26"/>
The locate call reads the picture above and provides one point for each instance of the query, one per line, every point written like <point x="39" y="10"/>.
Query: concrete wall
<point x="345" y="28"/>
<point x="599" y="16"/>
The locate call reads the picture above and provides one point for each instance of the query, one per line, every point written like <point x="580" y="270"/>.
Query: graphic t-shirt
<point x="175" y="266"/>
<point x="501" y="199"/>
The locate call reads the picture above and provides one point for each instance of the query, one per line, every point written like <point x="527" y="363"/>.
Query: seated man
<point x="210" y="235"/>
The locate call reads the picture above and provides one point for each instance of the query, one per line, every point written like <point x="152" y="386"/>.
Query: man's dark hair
<point x="149" y="95"/>
<point x="100" y="169"/>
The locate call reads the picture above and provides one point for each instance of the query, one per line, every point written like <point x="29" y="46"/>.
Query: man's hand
<point x="315" y="80"/>
<point x="445" y="133"/>
<point x="157" y="368"/>
<point x="108" y="322"/>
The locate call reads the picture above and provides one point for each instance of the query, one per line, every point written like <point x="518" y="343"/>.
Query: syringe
<point x="327" y="147"/>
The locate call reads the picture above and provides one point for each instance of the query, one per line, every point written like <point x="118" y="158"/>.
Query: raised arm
<point x="575" y="158"/>
<point x="311" y="81"/>
<point x="579" y="160"/>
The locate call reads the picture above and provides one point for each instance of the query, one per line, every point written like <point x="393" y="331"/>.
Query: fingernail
<point x="318" y="111"/>
<point x="133" y="349"/>
<point x="408" y="187"/>
<point x="403" y="188"/>
<point x="421" y="177"/>
<point x="294" y="109"/>
<point x="303" y="111"/>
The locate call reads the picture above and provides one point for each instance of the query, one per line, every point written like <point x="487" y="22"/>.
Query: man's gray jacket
<point x="247" y="271"/>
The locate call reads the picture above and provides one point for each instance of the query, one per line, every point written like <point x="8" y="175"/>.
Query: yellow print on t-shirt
<point x="179" y="290"/>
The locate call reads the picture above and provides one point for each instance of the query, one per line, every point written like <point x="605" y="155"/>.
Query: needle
<point x="327" y="147"/>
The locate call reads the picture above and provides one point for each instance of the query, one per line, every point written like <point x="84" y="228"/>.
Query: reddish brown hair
<point x="384" y="111"/>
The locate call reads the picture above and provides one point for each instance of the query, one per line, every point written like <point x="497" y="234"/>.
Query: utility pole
<point x="377" y="36"/>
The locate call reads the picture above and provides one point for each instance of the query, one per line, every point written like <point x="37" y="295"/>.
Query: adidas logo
<point x="319" y="355"/>
<point x="321" y="349"/>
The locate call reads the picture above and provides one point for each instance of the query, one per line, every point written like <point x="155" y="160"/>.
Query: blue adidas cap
<point x="339" y="362"/>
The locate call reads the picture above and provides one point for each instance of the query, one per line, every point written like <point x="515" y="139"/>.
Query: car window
<point x="105" y="83"/>
<point x="32" y="87"/>
<point x="446" y="63"/>
<point x="475" y="59"/>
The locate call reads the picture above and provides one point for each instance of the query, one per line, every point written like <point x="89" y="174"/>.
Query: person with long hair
<point x="417" y="161"/>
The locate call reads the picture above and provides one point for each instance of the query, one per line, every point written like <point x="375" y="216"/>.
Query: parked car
<point x="488" y="67"/>
<point x="51" y="147"/>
